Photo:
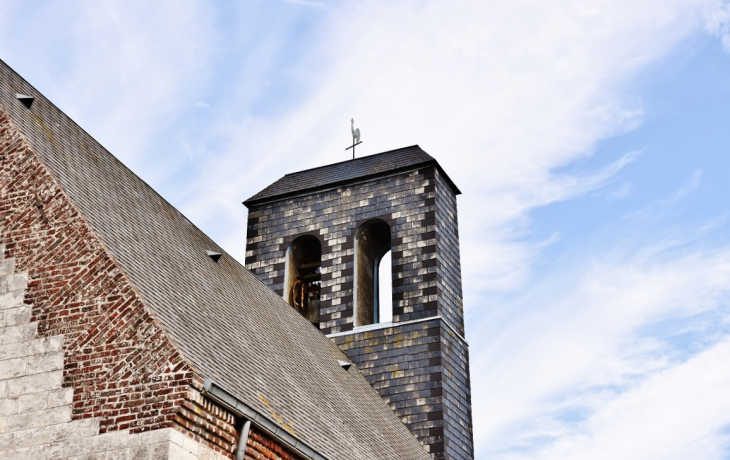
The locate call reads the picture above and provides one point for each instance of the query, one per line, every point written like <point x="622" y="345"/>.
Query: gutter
<point x="251" y="416"/>
<point x="243" y="440"/>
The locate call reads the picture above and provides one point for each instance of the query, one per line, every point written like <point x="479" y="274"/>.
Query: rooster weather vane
<point x="355" y="137"/>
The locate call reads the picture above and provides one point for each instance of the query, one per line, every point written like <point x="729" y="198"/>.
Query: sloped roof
<point x="347" y="171"/>
<point x="230" y="326"/>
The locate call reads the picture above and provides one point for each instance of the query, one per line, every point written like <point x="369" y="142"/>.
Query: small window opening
<point x="385" y="289"/>
<point x="373" y="243"/>
<point x="303" y="276"/>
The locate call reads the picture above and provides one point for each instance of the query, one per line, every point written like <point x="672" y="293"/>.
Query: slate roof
<point x="347" y="171"/>
<point x="230" y="326"/>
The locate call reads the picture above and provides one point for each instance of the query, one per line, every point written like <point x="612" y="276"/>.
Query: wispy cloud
<point x="310" y="3"/>
<point x="717" y="22"/>
<point x="123" y="70"/>
<point x="692" y="184"/>
<point x="605" y="355"/>
<point x="211" y="106"/>
<point x="503" y="95"/>
<point x="623" y="191"/>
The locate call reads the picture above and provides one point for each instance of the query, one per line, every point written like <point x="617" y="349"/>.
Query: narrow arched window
<point x="372" y="244"/>
<point x="385" y="289"/>
<point x="302" y="276"/>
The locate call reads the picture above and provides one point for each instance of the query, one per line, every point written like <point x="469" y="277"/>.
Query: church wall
<point x="458" y="434"/>
<point x="403" y="364"/>
<point x="36" y="409"/>
<point x="118" y="364"/>
<point x="261" y="446"/>
<point x="405" y="201"/>
<point x="448" y="268"/>
<point x="406" y="363"/>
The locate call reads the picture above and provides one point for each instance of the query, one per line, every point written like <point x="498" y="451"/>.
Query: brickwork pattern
<point x="36" y="415"/>
<point x="407" y="202"/>
<point x="123" y="369"/>
<point x="404" y="362"/>
<point x="261" y="446"/>
<point x="206" y="421"/>
<point x="448" y="268"/>
<point x="458" y="432"/>
<point x="422" y="371"/>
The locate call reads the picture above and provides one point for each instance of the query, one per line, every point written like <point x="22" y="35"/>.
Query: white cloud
<point x="624" y="191"/>
<point x="503" y="94"/>
<point x="122" y="70"/>
<point x="717" y="22"/>
<point x="601" y="369"/>
<point x="309" y="3"/>
<point x="691" y="185"/>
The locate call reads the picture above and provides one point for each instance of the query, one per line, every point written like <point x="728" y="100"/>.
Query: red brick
<point x="117" y="357"/>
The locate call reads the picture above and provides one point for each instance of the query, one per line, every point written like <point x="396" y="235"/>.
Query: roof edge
<point x="303" y="191"/>
<point x="94" y="234"/>
<point x="235" y="405"/>
<point x="355" y="159"/>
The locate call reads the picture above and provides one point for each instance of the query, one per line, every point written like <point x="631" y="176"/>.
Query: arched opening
<point x="302" y="276"/>
<point x="372" y="244"/>
<point x="385" y="289"/>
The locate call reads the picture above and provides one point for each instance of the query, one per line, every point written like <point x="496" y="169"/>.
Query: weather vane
<point x="355" y="137"/>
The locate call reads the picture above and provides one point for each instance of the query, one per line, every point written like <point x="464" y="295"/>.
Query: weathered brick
<point x="58" y="274"/>
<point x="60" y="397"/>
<point x="45" y="363"/>
<point x="32" y="402"/>
<point x="31" y="347"/>
<point x="15" y="316"/>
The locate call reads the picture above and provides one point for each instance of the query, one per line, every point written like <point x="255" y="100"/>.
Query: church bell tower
<point x="319" y="238"/>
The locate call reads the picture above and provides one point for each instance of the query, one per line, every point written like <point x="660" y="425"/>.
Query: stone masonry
<point x="121" y="365"/>
<point x="85" y="370"/>
<point x="36" y="413"/>
<point x="126" y="332"/>
<point x="419" y="363"/>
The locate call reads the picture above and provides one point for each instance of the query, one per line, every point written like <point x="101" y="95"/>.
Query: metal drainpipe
<point x="243" y="440"/>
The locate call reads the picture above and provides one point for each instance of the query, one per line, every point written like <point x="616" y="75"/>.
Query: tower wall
<point x="419" y="363"/>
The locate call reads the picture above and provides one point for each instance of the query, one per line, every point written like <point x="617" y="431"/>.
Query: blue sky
<point x="590" y="139"/>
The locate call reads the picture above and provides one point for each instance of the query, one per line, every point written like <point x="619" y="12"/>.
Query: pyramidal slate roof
<point x="347" y="171"/>
<point x="226" y="323"/>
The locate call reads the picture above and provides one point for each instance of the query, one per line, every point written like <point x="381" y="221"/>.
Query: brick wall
<point x="121" y="366"/>
<point x="36" y="410"/>
<point x="261" y="446"/>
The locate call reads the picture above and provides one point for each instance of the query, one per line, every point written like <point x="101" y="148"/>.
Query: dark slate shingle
<point x="227" y="323"/>
<point x="346" y="171"/>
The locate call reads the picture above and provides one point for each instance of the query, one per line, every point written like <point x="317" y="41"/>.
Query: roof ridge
<point x="355" y="159"/>
<point x="376" y="165"/>
<point x="203" y="304"/>
<point x="113" y="158"/>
